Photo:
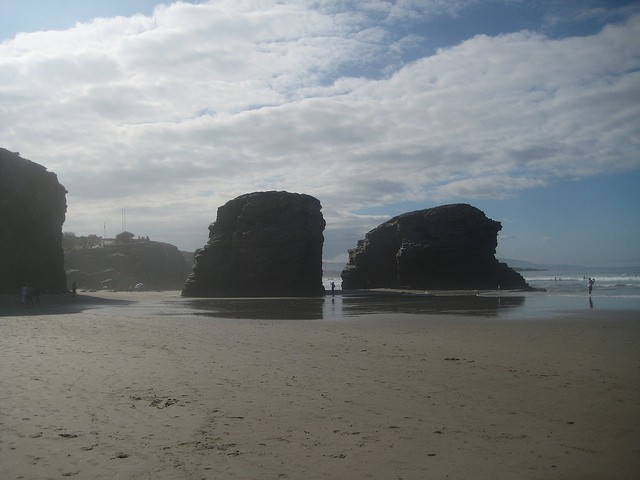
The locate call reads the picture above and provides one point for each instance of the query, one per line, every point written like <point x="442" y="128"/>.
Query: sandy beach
<point x="118" y="386"/>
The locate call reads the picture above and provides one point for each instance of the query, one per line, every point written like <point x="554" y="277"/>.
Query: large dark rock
<point x="32" y="210"/>
<point x="451" y="247"/>
<point x="262" y="244"/>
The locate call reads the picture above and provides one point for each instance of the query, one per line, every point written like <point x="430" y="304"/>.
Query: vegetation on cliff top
<point x="124" y="262"/>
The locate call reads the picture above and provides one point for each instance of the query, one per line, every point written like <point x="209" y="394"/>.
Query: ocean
<point x="558" y="290"/>
<point x="610" y="282"/>
<point x="566" y="289"/>
<point x="572" y="281"/>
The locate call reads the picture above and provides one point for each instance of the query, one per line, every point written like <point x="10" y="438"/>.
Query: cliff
<point x="32" y="210"/>
<point x="121" y="266"/>
<point x="451" y="247"/>
<point x="262" y="244"/>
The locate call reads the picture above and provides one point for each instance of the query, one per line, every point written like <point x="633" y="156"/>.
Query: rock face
<point x="32" y="210"/>
<point x="262" y="244"/>
<point x="120" y="266"/>
<point x="450" y="247"/>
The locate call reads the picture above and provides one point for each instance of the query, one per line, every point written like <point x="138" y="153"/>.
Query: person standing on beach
<point x="333" y="288"/>
<point x="590" y="284"/>
<point x="74" y="288"/>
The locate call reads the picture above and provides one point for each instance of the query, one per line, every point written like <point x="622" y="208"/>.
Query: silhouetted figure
<point x="333" y="288"/>
<point x="24" y="292"/>
<point x="74" y="288"/>
<point x="590" y="284"/>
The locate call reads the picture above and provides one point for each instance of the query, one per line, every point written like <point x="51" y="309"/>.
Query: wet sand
<point x="122" y="385"/>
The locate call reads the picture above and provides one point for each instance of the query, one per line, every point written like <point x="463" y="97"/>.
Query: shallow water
<point x="338" y="306"/>
<point x="490" y="304"/>
<point x="505" y="305"/>
<point x="564" y="291"/>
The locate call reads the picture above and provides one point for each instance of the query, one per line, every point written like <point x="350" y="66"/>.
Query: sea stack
<point x="262" y="244"/>
<point x="32" y="210"/>
<point x="450" y="247"/>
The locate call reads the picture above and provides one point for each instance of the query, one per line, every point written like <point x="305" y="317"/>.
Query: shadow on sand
<point x="10" y="305"/>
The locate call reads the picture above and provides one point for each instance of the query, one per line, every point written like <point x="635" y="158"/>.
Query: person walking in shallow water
<point x="590" y="284"/>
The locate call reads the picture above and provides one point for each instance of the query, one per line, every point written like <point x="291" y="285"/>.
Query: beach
<point x="128" y="386"/>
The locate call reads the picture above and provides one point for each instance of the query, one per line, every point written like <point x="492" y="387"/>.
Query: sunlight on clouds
<point x="489" y="187"/>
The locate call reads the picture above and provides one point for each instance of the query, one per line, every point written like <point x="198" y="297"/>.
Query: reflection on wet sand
<point x="260" y="308"/>
<point x="433" y="304"/>
<point x="334" y="307"/>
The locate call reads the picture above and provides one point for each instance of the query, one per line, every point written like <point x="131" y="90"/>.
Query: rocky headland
<point x="262" y="244"/>
<point x="32" y="210"/>
<point x="122" y="263"/>
<point x="450" y="247"/>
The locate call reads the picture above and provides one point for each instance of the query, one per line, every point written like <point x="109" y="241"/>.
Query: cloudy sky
<point x="529" y="110"/>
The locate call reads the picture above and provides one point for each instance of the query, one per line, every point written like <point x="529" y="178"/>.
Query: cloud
<point x="485" y="187"/>
<point x="182" y="111"/>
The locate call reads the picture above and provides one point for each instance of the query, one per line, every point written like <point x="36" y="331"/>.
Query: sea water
<point x="567" y="289"/>
<point x="559" y="290"/>
<point x="610" y="282"/>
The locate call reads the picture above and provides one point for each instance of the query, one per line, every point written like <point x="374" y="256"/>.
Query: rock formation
<point x="115" y="265"/>
<point x="32" y="210"/>
<point x="451" y="247"/>
<point x="262" y="244"/>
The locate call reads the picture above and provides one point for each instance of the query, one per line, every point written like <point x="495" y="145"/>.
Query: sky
<point x="528" y="110"/>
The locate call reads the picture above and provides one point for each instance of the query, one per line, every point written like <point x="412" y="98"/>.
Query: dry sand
<point x="107" y="395"/>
